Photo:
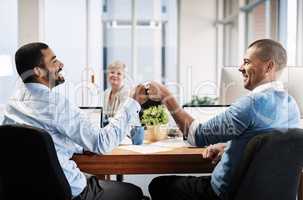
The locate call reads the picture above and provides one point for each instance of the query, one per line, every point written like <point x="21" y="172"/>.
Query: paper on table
<point x="172" y="143"/>
<point x="164" y="145"/>
<point x="145" y="148"/>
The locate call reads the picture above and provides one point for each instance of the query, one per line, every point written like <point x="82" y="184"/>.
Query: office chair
<point x="270" y="168"/>
<point x="29" y="166"/>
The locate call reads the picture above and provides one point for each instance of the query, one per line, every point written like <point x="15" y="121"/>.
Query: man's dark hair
<point x="269" y="49"/>
<point x="27" y="58"/>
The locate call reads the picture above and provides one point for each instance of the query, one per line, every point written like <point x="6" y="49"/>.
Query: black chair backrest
<point x="270" y="167"/>
<point x="29" y="167"/>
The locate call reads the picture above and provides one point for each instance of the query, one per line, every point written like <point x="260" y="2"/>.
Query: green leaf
<point x="155" y="115"/>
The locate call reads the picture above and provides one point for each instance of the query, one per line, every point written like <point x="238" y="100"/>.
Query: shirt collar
<point x="276" y="85"/>
<point x="37" y="87"/>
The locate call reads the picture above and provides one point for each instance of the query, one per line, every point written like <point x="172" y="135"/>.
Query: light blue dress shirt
<point x="268" y="107"/>
<point x="71" y="130"/>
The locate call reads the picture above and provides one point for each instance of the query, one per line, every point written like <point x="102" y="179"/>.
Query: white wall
<point x="73" y="30"/>
<point x="171" y="42"/>
<point x="197" y="48"/>
<point x="65" y="32"/>
<point x="8" y="25"/>
<point x="95" y="42"/>
<point x="8" y="42"/>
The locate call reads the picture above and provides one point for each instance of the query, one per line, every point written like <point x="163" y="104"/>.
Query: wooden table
<point x="179" y="160"/>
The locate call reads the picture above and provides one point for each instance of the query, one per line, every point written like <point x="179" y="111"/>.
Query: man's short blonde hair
<point x="117" y="65"/>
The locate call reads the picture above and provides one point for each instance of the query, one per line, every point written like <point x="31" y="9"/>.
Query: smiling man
<point x="259" y="66"/>
<point x="267" y="107"/>
<point x="35" y="104"/>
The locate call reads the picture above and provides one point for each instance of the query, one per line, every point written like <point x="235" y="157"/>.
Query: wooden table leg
<point x="119" y="177"/>
<point x="300" y="190"/>
<point x="103" y="176"/>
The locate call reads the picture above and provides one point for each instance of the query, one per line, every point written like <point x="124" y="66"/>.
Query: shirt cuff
<point x="191" y="132"/>
<point x="132" y="108"/>
<point x="132" y="105"/>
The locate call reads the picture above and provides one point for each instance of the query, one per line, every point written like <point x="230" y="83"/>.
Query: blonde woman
<point x="117" y="93"/>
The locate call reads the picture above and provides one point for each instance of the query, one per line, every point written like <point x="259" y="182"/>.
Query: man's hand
<point x="139" y="94"/>
<point x="157" y="91"/>
<point x="214" y="152"/>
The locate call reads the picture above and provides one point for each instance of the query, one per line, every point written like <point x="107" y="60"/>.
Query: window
<point x="291" y="30"/>
<point x="262" y="19"/>
<point x="300" y="33"/>
<point x="246" y="22"/>
<point x="144" y="38"/>
<point x="256" y="24"/>
<point x="291" y="44"/>
<point x="231" y="30"/>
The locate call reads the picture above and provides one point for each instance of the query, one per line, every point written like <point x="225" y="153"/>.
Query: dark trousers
<point x="109" y="190"/>
<point x="181" y="188"/>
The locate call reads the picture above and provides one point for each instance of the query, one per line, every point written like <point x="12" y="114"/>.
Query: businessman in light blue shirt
<point x="267" y="107"/>
<point x="35" y="104"/>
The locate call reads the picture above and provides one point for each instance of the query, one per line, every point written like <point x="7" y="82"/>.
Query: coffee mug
<point x="137" y="135"/>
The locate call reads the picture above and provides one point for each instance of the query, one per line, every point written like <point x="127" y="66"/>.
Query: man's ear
<point x="37" y="71"/>
<point x="270" y="66"/>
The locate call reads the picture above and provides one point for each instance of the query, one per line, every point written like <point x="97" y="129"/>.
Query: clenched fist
<point x="139" y="94"/>
<point x="157" y="91"/>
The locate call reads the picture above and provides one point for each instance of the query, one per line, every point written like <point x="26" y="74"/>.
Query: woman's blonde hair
<point x="117" y="65"/>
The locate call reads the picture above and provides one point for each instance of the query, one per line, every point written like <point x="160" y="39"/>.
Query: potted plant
<point x="155" y="119"/>
<point x="200" y="101"/>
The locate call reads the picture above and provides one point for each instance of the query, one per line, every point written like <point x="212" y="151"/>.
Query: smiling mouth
<point x="245" y="77"/>
<point x="60" y="74"/>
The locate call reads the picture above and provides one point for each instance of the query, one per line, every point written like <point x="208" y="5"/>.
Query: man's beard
<point x="59" y="81"/>
<point x="53" y="81"/>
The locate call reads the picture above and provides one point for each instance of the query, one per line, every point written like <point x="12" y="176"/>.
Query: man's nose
<point x="241" y="68"/>
<point x="61" y="65"/>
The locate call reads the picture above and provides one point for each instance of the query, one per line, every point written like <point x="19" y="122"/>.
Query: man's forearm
<point x="182" y="118"/>
<point x="158" y="91"/>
